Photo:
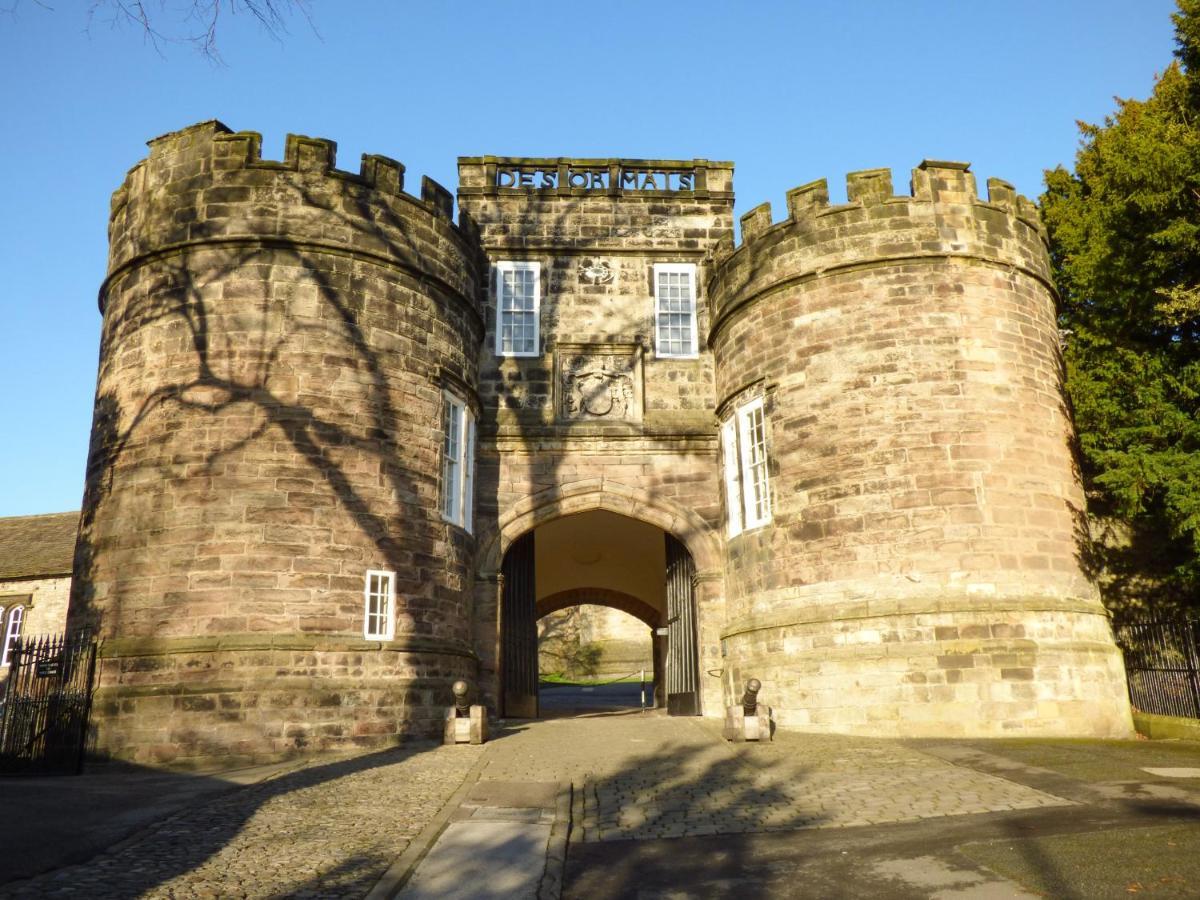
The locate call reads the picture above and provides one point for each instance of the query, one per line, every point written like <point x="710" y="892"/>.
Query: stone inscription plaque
<point x="595" y="179"/>
<point x="599" y="382"/>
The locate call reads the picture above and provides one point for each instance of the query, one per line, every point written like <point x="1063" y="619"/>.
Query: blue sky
<point x="789" y="91"/>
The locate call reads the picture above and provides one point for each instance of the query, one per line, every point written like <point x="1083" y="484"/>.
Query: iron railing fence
<point x="47" y="700"/>
<point x="1162" y="663"/>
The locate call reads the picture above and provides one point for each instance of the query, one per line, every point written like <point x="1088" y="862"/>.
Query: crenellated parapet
<point x="943" y="217"/>
<point x="207" y="184"/>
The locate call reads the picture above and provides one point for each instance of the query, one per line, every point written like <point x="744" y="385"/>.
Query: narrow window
<point x="458" y="462"/>
<point x="755" y="489"/>
<point x="675" y="310"/>
<point x="452" y="459"/>
<point x="468" y="469"/>
<point x="747" y="484"/>
<point x="379" y="602"/>
<point x="518" y="299"/>
<point x="733" y="489"/>
<point x="12" y="632"/>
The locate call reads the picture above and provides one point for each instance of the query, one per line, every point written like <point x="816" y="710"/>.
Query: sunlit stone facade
<point x="852" y="423"/>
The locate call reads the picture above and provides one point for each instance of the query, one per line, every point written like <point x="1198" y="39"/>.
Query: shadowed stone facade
<point x="282" y="342"/>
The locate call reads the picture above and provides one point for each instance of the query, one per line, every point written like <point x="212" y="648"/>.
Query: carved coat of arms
<point x="600" y="385"/>
<point x="595" y="271"/>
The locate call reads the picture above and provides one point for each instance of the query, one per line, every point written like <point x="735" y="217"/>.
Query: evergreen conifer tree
<point x="1125" y="244"/>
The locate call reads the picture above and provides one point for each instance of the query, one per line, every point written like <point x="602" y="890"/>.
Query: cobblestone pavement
<point x="332" y="829"/>
<point x="649" y="776"/>
<point x="329" y="830"/>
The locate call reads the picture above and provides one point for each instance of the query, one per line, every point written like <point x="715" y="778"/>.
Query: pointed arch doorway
<point x="607" y="558"/>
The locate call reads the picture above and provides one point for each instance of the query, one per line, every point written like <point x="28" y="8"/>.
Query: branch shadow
<point x="678" y="793"/>
<point x="252" y="340"/>
<point x="192" y="828"/>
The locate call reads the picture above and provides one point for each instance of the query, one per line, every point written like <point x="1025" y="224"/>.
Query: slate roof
<point x="37" y="546"/>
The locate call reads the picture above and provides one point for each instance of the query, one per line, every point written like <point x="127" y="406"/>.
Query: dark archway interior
<point x="597" y="559"/>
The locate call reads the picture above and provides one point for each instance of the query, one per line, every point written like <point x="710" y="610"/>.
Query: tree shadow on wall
<point x="242" y="387"/>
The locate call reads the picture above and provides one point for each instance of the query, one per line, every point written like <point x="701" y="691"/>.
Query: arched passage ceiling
<point x="601" y="550"/>
<point x="626" y="603"/>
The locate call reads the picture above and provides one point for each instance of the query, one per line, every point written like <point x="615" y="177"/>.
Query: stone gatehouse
<point x="348" y="448"/>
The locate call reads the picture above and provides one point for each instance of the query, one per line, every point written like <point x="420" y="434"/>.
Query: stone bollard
<point x="749" y="720"/>
<point x="466" y="723"/>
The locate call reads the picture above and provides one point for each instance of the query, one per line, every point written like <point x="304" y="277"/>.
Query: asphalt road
<point x="1126" y="832"/>
<point x="571" y="700"/>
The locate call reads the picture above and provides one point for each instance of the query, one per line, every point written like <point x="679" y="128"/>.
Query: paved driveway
<point x="662" y="807"/>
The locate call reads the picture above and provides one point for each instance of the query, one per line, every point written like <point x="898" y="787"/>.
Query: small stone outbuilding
<point x="36" y="554"/>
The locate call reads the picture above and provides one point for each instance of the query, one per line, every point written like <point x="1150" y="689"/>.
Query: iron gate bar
<point x="683" y="666"/>
<point x="1162" y="660"/>
<point x="518" y="631"/>
<point x="47" y="702"/>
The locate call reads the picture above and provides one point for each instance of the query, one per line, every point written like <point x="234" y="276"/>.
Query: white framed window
<point x="733" y="482"/>
<point x="744" y="454"/>
<point x="518" y="307"/>
<point x="675" y="310"/>
<point x="379" y="605"/>
<point x="10" y="630"/>
<point x="458" y="462"/>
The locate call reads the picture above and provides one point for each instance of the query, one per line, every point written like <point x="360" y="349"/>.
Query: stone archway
<point x="594" y="551"/>
<point x="687" y="525"/>
<point x="626" y="603"/>
<point x="651" y="616"/>
<point x="693" y="532"/>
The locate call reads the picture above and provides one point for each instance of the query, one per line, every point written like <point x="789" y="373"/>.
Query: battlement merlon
<point x="933" y="181"/>
<point x="233" y="150"/>
<point x="700" y="179"/>
<point x="207" y="184"/>
<point x="942" y="217"/>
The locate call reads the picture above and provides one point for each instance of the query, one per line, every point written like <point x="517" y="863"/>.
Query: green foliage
<point x="1125" y="243"/>
<point x="561" y="652"/>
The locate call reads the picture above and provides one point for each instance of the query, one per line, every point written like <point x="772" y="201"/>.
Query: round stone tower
<point x="920" y="573"/>
<point x="279" y="341"/>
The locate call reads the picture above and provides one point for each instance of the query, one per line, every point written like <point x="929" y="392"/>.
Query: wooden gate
<point x="518" y="632"/>
<point x="683" y="667"/>
<point x="47" y="700"/>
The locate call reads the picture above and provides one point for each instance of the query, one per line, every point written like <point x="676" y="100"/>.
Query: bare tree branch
<point x="197" y="23"/>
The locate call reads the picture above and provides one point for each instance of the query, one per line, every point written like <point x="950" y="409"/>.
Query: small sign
<point x="662" y="632"/>
<point x="48" y="668"/>
<point x="595" y="179"/>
